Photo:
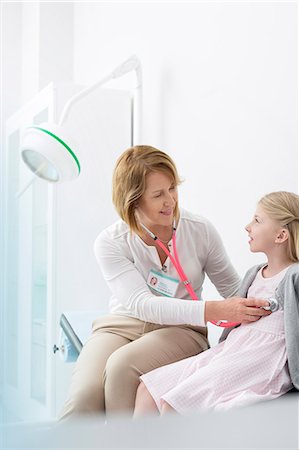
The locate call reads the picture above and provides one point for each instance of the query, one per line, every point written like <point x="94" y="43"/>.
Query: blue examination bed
<point x="76" y="327"/>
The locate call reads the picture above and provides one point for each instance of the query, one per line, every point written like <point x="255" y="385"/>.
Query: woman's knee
<point x="119" y="366"/>
<point x="120" y="381"/>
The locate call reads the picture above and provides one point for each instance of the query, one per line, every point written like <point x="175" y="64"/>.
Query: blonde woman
<point x="151" y="324"/>
<point x="256" y="361"/>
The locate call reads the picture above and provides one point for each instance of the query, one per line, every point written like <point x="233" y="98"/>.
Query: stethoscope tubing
<point x="176" y="262"/>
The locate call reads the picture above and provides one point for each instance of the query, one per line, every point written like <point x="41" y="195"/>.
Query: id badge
<point x="161" y="283"/>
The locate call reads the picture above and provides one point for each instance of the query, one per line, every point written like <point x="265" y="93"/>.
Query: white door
<point x="50" y="231"/>
<point x="25" y="308"/>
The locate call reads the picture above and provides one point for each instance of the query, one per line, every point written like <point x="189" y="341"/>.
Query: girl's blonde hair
<point x="284" y="207"/>
<point x="128" y="183"/>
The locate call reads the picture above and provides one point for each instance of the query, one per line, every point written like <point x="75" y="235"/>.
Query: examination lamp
<point x="49" y="153"/>
<point x="48" y="150"/>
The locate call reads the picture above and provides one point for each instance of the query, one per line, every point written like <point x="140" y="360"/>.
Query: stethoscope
<point x="273" y="304"/>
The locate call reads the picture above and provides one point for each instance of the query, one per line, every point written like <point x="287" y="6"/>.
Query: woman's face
<point x="157" y="204"/>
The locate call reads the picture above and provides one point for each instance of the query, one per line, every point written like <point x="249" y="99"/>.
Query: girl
<point x="254" y="361"/>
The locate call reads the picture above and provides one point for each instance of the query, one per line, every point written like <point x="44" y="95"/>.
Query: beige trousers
<point x="119" y="350"/>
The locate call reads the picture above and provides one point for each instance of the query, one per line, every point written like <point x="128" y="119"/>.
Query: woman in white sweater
<point x="152" y="321"/>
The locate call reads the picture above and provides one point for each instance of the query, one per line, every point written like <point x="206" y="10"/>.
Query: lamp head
<point x="47" y="151"/>
<point x="130" y="64"/>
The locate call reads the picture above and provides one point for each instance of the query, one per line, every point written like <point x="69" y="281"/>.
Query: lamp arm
<point x="137" y="117"/>
<point x="128" y="65"/>
<point x="80" y="95"/>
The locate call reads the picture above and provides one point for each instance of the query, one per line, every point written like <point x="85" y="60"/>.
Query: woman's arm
<point x="130" y="288"/>
<point x="235" y="309"/>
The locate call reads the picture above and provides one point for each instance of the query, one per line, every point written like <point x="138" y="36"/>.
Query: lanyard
<point x="175" y="261"/>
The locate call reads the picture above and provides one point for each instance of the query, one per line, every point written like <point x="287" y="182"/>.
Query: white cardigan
<point x="125" y="261"/>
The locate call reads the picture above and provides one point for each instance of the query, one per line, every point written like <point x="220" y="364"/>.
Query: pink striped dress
<point x="248" y="367"/>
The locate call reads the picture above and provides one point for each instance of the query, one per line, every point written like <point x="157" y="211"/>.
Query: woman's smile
<point x="167" y="212"/>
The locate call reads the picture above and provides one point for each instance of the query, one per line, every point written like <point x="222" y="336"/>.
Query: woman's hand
<point x="236" y="309"/>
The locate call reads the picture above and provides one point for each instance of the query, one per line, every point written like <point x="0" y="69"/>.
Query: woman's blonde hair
<point x="284" y="207"/>
<point x="128" y="183"/>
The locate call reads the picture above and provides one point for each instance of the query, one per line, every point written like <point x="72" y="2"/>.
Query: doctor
<point x="151" y="324"/>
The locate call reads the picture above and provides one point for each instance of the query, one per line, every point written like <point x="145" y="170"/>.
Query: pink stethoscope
<point x="175" y="261"/>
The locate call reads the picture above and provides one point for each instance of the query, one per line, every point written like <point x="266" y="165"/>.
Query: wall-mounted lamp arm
<point x="132" y="63"/>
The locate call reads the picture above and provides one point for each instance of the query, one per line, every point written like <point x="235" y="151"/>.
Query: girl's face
<point x="264" y="232"/>
<point x="157" y="204"/>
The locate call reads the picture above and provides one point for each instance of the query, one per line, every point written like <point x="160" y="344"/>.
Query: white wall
<point x="220" y="96"/>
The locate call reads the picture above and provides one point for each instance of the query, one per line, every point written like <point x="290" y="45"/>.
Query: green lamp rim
<point x="61" y="142"/>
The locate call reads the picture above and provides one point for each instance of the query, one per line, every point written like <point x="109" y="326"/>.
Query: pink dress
<point x="249" y="366"/>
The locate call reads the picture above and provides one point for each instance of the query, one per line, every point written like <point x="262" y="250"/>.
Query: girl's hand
<point x="236" y="309"/>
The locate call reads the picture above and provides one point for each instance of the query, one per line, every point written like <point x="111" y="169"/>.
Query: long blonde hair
<point x="284" y="207"/>
<point x="128" y="183"/>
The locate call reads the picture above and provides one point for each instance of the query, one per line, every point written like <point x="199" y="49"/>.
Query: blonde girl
<point x="254" y="361"/>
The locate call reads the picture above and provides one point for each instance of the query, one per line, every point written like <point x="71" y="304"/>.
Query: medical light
<point x="49" y="151"/>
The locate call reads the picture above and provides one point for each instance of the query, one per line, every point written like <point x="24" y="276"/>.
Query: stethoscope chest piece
<point x="273" y="305"/>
